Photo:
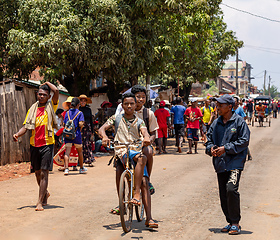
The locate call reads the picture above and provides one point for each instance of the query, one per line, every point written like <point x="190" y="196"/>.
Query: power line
<point x="263" y="50"/>
<point x="255" y="15"/>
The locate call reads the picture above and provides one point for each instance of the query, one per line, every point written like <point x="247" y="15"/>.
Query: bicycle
<point x="126" y="192"/>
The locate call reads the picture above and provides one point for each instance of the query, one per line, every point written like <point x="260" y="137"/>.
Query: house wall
<point x="13" y="107"/>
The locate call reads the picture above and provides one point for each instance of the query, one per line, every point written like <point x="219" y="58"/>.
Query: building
<point x="228" y="74"/>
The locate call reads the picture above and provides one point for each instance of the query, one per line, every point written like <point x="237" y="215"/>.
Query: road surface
<point x="186" y="203"/>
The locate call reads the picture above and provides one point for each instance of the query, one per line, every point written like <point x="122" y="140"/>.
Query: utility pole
<point x="264" y="82"/>
<point x="269" y="79"/>
<point x="236" y="73"/>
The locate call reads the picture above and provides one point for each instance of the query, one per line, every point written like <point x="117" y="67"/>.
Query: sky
<point x="261" y="37"/>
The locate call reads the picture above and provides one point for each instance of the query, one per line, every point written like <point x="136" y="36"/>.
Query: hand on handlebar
<point x="146" y="141"/>
<point x="105" y="142"/>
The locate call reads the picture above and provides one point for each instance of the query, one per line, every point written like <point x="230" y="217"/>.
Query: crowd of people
<point x="221" y="122"/>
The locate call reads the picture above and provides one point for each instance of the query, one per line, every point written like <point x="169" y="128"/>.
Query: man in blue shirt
<point x="238" y="110"/>
<point x="177" y="119"/>
<point x="227" y="142"/>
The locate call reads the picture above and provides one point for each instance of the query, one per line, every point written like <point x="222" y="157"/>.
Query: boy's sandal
<point x="151" y="224"/>
<point x="151" y="189"/>
<point x="226" y="229"/>
<point x="234" y="230"/>
<point x="135" y="201"/>
<point x="115" y="210"/>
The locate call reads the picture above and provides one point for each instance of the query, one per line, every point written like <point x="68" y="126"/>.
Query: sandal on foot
<point x="151" y="224"/>
<point x="188" y="152"/>
<point x="135" y="201"/>
<point x="226" y="229"/>
<point x="234" y="230"/>
<point x="115" y="210"/>
<point x="151" y="189"/>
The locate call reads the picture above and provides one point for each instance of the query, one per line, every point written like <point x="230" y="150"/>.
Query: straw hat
<point x="65" y="104"/>
<point x="83" y="96"/>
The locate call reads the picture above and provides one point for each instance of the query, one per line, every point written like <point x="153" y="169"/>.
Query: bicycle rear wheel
<point x="126" y="208"/>
<point x="139" y="211"/>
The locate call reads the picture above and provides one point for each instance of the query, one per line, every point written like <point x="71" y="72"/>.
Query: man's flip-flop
<point x="152" y="224"/>
<point x="135" y="201"/>
<point x="189" y="152"/>
<point x="115" y="211"/>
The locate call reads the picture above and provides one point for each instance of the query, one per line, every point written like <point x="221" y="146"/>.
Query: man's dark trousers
<point x="229" y="195"/>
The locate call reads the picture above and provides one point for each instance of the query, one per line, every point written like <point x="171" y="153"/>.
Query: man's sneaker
<point x="66" y="171"/>
<point x="83" y="170"/>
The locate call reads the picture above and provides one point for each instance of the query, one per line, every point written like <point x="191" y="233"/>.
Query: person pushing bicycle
<point x="128" y="128"/>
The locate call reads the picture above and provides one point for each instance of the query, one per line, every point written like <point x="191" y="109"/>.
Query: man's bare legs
<point x="146" y="199"/>
<point x="160" y="146"/>
<point x="139" y="172"/>
<point x="148" y="152"/>
<point x="42" y="177"/>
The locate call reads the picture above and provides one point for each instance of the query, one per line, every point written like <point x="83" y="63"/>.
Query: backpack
<point x="146" y="119"/>
<point x="69" y="131"/>
<point x="204" y="109"/>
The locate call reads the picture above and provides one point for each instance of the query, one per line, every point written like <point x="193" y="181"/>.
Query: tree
<point x="8" y="20"/>
<point x="66" y="40"/>
<point x="273" y="91"/>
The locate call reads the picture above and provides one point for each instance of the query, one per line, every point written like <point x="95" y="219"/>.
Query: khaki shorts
<point x="75" y="144"/>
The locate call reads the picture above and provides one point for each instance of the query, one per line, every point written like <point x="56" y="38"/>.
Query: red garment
<point x="193" y="113"/>
<point x="63" y="114"/>
<point x="162" y="132"/>
<point x="162" y="115"/>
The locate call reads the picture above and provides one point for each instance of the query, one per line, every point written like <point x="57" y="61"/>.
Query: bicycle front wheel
<point x="126" y="208"/>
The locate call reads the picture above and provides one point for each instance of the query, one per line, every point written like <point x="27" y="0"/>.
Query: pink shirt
<point x="193" y="113"/>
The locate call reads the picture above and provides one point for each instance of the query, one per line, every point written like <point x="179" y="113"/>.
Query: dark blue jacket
<point x="234" y="136"/>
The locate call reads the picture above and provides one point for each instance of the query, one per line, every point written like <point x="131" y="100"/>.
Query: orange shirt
<point x="261" y="110"/>
<point x="39" y="136"/>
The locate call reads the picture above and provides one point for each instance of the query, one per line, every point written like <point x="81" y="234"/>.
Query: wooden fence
<point x="13" y="108"/>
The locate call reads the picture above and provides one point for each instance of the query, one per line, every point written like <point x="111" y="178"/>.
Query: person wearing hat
<point x="227" y="142"/>
<point x="102" y="114"/>
<point x="66" y="105"/>
<point x="87" y="130"/>
<point x="162" y="116"/>
<point x="193" y="115"/>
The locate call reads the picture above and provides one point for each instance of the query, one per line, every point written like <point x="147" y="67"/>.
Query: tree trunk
<point x="187" y="90"/>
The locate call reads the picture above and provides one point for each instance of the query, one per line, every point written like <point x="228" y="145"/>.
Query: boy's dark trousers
<point x="229" y="195"/>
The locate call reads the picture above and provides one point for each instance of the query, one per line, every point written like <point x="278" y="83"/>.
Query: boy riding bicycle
<point x="127" y="129"/>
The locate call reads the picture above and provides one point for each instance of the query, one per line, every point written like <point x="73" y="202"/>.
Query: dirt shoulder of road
<point x="14" y="170"/>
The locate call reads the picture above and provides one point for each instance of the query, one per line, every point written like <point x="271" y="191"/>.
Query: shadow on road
<point x="49" y="206"/>
<point x="218" y="230"/>
<point x="137" y="227"/>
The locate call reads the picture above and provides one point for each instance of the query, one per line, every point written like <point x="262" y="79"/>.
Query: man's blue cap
<point x="225" y="99"/>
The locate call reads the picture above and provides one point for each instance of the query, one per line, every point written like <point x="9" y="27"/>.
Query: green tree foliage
<point x="73" y="41"/>
<point x="8" y="20"/>
<point x="273" y="91"/>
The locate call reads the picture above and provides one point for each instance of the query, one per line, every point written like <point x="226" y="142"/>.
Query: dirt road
<point x="186" y="202"/>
